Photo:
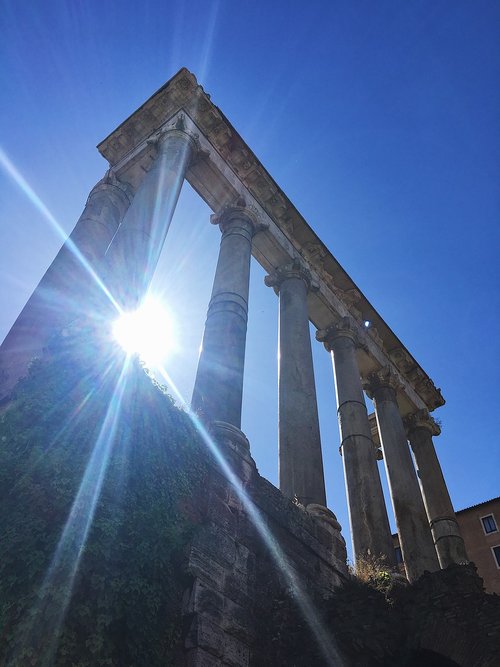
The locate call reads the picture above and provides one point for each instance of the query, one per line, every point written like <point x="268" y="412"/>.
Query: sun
<point x="148" y="332"/>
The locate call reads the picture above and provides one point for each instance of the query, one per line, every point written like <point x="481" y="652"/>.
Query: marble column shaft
<point x="415" y="537"/>
<point x="300" y="459"/>
<point x="218" y="389"/>
<point x="448" y="541"/>
<point x="71" y="285"/>
<point x="136" y="248"/>
<point x="371" y="535"/>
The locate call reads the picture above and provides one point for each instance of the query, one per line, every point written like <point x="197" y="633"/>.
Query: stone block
<point x="216" y="543"/>
<point x="245" y="559"/>
<point x="236" y="589"/>
<point x="238" y="621"/>
<point x="236" y="653"/>
<point x="201" y="565"/>
<point x="205" y="634"/>
<point x="204" y="600"/>
<point x="197" y="657"/>
<point x="221" y="514"/>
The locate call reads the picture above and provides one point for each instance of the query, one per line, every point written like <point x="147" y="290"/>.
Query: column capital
<point x="421" y="419"/>
<point x="239" y="210"/>
<point x="294" y="269"/>
<point x="384" y="377"/>
<point x="177" y="138"/>
<point x="110" y="179"/>
<point x="345" y="327"/>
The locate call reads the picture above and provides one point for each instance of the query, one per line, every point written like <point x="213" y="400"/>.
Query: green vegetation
<point x="124" y="607"/>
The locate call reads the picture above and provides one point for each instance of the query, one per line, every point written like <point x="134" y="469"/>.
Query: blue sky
<point x="380" y="122"/>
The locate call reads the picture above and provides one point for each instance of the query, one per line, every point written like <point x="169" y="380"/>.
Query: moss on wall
<point x="123" y="605"/>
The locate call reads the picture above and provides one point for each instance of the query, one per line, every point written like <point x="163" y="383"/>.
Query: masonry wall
<point x="246" y="530"/>
<point x="268" y="586"/>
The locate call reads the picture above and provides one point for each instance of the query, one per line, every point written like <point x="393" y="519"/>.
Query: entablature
<point x="225" y="169"/>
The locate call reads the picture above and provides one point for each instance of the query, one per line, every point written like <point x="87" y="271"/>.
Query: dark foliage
<point x="123" y="607"/>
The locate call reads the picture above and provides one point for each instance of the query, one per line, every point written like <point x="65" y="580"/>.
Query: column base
<point x="235" y="448"/>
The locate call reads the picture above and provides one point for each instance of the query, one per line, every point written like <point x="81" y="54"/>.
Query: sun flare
<point x="148" y="332"/>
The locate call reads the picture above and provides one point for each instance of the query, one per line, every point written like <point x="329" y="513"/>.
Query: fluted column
<point x="300" y="460"/>
<point x="218" y="389"/>
<point x="371" y="535"/>
<point x="415" y="537"/>
<point x="448" y="541"/>
<point x="136" y="248"/>
<point x="71" y="286"/>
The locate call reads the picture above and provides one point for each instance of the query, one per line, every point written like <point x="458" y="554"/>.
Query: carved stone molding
<point x="111" y="179"/>
<point x="293" y="269"/>
<point x="237" y="211"/>
<point x="316" y="252"/>
<point x="385" y="377"/>
<point x="402" y="359"/>
<point x="347" y="327"/>
<point x="176" y="139"/>
<point x="326" y="516"/>
<point x="421" y="419"/>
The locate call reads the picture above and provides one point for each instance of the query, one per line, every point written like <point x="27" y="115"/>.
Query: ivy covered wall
<point x="99" y="472"/>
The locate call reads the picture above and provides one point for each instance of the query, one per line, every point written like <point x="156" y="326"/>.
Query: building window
<point x="399" y="555"/>
<point x="496" y="554"/>
<point x="489" y="524"/>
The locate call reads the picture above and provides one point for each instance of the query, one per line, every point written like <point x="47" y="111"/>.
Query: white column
<point x="448" y="541"/>
<point x="68" y="288"/>
<point x="218" y="389"/>
<point x="300" y="459"/>
<point x="415" y="537"/>
<point x="371" y="535"/>
<point x="136" y="248"/>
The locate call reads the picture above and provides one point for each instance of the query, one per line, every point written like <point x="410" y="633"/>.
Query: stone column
<point x="415" y="537"/>
<point x="450" y="547"/>
<point x="71" y="286"/>
<point x="300" y="460"/>
<point x="136" y="248"/>
<point x="371" y="535"/>
<point x="218" y="388"/>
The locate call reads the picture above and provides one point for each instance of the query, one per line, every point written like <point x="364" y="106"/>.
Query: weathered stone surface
<point x="228" y="550"/>
<point x="300" y="458"/>
<point x="416" y="541"/>
<point x="448" y="541"/>
<point x="218" y="388"/>
<point x="371" y="535"/>
<point x="444" y="616"/>
<point x="68" y="289"/>
<point x="135" y="250"/>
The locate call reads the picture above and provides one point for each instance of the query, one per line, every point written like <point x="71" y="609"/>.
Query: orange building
<point x="480" y="528"/>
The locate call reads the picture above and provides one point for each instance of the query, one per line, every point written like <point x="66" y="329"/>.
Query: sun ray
<point x="330" y="651"/>
<point x="49" y="612"/>
<point x="25" y="187"/>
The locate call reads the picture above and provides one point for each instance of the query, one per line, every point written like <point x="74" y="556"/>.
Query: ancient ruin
<point x="179" y="134"/>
